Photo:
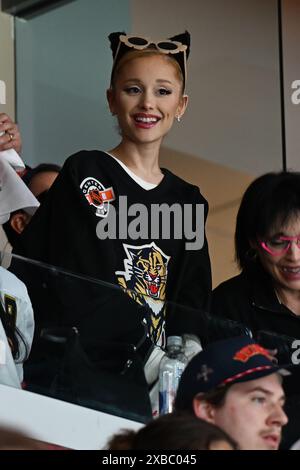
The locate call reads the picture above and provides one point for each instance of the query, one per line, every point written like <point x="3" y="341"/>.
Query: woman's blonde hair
<point x="136" y="54"/>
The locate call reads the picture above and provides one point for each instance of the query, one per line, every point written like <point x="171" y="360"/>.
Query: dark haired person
<point x="40" y="178"/>
<point x="173" y="431"/>
<point x="266" y="294"/>
<point x="235" y="385"/>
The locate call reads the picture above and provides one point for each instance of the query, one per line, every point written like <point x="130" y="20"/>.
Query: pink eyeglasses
<point x="280" y="245"/>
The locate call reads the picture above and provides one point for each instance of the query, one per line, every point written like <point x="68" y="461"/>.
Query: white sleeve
<point x="8" y="371"/>
<point x="25" y="324"/>
<point x="151" y="367"/>
<point x="11" y="286"/>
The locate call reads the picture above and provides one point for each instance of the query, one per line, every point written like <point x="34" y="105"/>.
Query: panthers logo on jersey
<point x="144" y="279"/>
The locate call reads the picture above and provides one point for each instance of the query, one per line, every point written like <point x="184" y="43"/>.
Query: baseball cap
<point x="224" y="362"/>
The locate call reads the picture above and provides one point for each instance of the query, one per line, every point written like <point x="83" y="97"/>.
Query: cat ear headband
<point x="178" y="46"/>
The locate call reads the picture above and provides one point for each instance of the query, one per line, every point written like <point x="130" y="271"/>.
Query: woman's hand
<point x="10" y="137"/>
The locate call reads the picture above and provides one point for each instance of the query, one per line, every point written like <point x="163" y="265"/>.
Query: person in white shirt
<point x="16" y="314"/>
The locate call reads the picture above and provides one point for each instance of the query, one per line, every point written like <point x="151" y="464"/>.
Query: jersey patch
<point x="97" y="195"/>
<point x="247" y="352"/>
<point x="10" y="306"/>
<point x="144" y="279"/>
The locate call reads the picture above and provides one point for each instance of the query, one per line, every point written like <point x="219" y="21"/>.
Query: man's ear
<point x="19" y="221"/>
<point x="203" y="409"/>
<point x="110" y="100"/>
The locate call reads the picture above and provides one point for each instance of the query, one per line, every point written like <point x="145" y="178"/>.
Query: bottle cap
<point x="174" y="341"/>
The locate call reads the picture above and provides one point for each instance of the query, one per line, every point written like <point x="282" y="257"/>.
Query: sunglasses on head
<point x="165" y="46"/>
<point x="279" y="245"/>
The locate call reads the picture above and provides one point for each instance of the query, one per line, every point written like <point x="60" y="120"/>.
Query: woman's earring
<point x="178" y="118"/>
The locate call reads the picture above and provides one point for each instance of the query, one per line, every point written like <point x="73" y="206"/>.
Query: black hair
<point x="215" y="397"/>
<point x="13" y="335"/>
<point x="174" y="431"/>
<point x="270" y="201"/>
<point x="41" y="168"/>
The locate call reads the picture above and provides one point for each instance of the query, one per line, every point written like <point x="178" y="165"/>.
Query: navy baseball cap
<point x="224" y="362"/>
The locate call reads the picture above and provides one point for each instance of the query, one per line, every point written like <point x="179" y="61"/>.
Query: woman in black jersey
<point x="120" y="218"/>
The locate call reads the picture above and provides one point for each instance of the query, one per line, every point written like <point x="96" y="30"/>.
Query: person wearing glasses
<point x="98" y="219"/>
<point x="266" y="294"/>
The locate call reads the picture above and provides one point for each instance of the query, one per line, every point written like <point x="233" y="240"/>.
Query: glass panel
<point x="92" y="339"/>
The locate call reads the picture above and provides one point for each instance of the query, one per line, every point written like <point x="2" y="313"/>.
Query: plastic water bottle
<point x="170" y="370"/>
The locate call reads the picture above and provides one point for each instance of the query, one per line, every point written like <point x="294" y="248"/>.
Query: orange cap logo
<point x="249" y="351"/>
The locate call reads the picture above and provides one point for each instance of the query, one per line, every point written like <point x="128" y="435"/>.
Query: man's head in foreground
<point x="235" y="385"/>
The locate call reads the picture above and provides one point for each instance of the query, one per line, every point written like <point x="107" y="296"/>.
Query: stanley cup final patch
<point x="97" y="195"/>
